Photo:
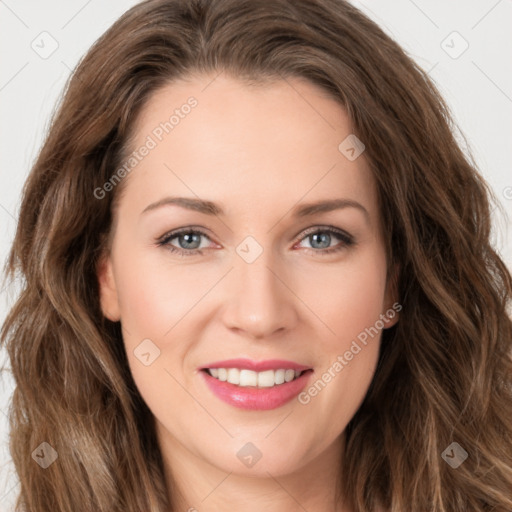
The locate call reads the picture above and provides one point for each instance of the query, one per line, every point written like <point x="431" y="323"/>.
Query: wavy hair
<point x="445" y="369"/>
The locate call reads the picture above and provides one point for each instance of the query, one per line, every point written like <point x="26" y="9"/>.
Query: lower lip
<point x="256" y="399"/>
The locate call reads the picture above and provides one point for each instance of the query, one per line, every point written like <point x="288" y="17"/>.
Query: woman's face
<point x="261" y="283"/>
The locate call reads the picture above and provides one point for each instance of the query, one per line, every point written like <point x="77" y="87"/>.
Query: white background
<point x="477" y="85"/>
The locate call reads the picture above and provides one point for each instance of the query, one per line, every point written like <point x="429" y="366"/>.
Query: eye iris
<point x="326" y="237"/>
<point x="189" y="236"/>
<point x="318" y="240"/>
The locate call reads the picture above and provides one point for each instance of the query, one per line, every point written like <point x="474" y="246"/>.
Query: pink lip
<point x="252" y="397"/>
<point x="257" y="366"/>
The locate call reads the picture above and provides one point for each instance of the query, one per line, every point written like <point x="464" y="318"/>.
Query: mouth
<point x="245" y="378"/>
<point x="249" y="385"/>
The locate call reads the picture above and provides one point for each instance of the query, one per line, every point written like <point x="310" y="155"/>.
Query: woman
<point x="251" y="370"/>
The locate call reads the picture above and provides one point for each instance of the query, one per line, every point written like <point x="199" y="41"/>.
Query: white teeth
<point x="233" y="375"/>
<point x="266" y="379"/>
<point x="289" y="375"/>
<point x="279" y="376"/>
<point x="243" y="378"/>
<point x="247" y="378"/>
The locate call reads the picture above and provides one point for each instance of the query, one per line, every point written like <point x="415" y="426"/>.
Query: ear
<point x="108" y="292"/>
<point x="391" y="300"/>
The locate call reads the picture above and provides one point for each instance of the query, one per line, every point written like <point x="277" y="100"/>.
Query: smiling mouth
<point x="248" y="378"/>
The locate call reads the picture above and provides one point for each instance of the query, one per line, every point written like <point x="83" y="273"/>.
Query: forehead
<point x="249" y="145"/>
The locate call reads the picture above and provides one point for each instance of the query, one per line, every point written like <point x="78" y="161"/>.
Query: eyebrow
<point x="303" y="210"/>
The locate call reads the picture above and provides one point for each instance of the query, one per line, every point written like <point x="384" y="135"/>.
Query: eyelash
<point x="347" y="240"/>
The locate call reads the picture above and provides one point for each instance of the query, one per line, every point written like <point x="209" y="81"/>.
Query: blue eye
<point x="191" y="244"/>
<point x="323" y="236"/>
<point x="189" y="240"/>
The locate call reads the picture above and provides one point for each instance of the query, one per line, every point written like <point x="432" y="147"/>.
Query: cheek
<point x="349" y="304"/>
<point x="155" y="295"/>
<point x="346" y="299"/>
<point x="161" y="302"/>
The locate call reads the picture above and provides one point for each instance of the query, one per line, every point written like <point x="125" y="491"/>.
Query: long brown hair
<point x="445" y="369"/>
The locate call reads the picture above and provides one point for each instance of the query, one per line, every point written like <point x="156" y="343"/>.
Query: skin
<point x="257" y="151"/>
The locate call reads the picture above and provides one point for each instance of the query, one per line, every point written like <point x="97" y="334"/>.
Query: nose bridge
<point x="260" y="303"/>
<point x="256" y="279"/>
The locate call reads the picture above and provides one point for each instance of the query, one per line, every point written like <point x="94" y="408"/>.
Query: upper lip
<point x="257" y="366"/>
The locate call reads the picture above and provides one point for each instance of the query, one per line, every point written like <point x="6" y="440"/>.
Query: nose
<point x="261" y="303"/>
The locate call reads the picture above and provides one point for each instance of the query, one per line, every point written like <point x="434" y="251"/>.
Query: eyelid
<point x="188" y="229"/>
<point x="346" y="238"/>
<point x="314" y="229"/>
<point x="303" y="232"/>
